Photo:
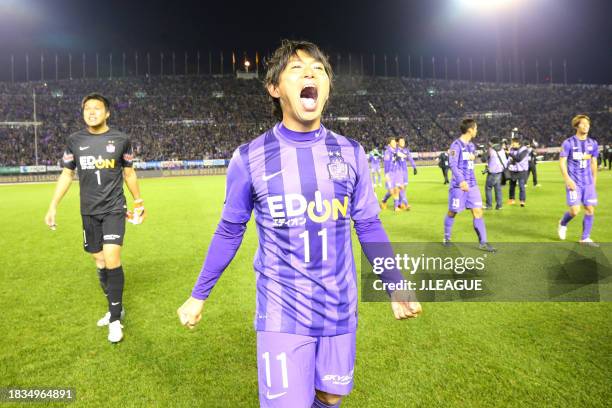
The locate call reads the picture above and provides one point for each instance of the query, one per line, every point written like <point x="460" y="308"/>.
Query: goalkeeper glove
<point x="138" y="215"/>
<point x="414" y="171"/>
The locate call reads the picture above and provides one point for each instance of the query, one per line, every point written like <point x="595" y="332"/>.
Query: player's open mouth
<point x="308" y="97"/>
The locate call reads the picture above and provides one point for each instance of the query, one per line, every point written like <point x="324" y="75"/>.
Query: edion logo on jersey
<point x="295" y="205"/>
<point x="338" y="379"/>
<point x="91" y="162"/>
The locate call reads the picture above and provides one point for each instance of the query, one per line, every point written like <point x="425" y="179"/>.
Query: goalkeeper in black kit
<point x="103" y="158"/>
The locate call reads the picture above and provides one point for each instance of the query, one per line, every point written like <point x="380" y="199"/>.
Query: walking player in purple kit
<point x="463" y="192"/>
<point x="305" y="183"/>
<point x="578" y="161"/>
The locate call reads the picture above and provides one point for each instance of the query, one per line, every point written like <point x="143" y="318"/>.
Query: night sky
<point x="579" y="30"/>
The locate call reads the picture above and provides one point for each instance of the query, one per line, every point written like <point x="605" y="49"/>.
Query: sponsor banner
<point x="10" y="170"/>
<point x="516" y="272"/>
<point x="32" y="169"/>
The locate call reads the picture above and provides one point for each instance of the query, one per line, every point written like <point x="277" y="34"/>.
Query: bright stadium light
<point x="486" y="5"/>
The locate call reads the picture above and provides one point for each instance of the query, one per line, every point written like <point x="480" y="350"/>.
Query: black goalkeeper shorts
<point x="103" y="229"/>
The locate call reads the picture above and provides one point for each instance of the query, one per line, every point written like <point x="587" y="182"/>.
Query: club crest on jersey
<point x="110" y="147"/>
<point x="337" y="167"/>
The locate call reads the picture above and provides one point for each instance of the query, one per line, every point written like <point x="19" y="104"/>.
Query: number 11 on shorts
<point x="282" y="357"/>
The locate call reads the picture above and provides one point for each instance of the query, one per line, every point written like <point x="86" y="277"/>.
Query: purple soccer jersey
<point x="392" y="168"/>
<point x="461" y="162"/>
<point x="404" y="156"/>
<point x="579" y="154"/>
<point x="304" y="195"/>
<point x="374" y="160"/>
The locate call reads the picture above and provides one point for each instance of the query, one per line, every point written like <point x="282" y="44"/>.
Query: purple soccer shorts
<point x="291" y="366"/>
<point x="459" y="200"/>
<point x="585" y="195"/>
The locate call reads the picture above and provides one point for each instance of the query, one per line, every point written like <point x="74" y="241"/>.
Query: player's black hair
<point x="98" y="97"/>
<point x="467" y="124"/>
<point x="279" y="60"/>
<point x="390" y="138"/>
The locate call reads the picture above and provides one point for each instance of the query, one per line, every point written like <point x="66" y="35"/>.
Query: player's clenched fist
<point x="50" y="218"/>
<point x="190" y="313"/>
<point x="406" y="310"/>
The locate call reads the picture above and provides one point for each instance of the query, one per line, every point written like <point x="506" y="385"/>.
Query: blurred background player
<point x="392" y="175"/>
<point x="578" y="162"/>
<point x="305" y="184"/>
<point x="463" y="192"/>
<point x="608" y="154"/>
<point x="374" y="159"/>
<point x="404" y="156"/>
<point x="496" y="164"/>
<point x="103" y="157"/>
<point x="518" y="164"/>
<point x="443" y="164"/>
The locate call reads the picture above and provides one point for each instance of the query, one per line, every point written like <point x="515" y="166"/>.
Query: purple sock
<point x="318" y="404"/>
<point x="448" y="226"/>
<point x="567" y="217"/>
<point x="396" y="202"/>
<point x="386" y="197"/>
<point x="587" y="225"/>
<point x="481" y="231"/>
<point x="403" y="197"/>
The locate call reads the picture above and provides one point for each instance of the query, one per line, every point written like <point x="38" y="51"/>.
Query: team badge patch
<point x="110" y="147"/>
<point x="337" y="167"/>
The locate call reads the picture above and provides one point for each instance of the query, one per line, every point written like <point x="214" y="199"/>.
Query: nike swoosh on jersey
<point x="269" y="176"/>
<point x="274" y="396"/>
<point x="83" y="148"/>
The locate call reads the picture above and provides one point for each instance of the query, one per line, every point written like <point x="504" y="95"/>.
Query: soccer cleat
<point x="486" y="247"/>
<point x="498" y="208"/>
<point x="402" y="206"/>
<point x="115" y="331"/>
<point x="383" y="205"/>
<point x="398" y="209"/>
<point x="446" y="242"/>
<point x="408" y="207"/>
<point x="589" y="242"/>
<point x="106" y="319"/>
<point x="538" y="185"/>
<point x="562" y="231"/>
<point x="522" y="203"/>
<point x="488" y="207"/>
<point x="510" y="202"/>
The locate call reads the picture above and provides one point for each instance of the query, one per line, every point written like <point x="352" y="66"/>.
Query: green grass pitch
<point x="455" y="355"/>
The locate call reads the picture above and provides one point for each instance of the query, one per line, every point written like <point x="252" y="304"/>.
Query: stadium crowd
<point x="195" y="117"/>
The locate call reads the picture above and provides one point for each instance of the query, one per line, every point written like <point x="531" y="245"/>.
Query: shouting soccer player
<point x="463" y="192"/>
<point x="103" y="157"/>
<point x="578" y="161"/>
<point x="305" y="183"/>
<point x="404" y="156"/>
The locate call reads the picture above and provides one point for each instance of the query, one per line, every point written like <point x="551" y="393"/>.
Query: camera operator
<point x="496" y="164"/>
<point x="533" y="158"/>
<point x="518" y="164"/>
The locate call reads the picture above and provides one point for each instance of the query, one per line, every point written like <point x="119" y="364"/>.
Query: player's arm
<point x="453" y="164"/>
<point x="61" y="188"/>
<point x="225" y="242"/>
<point x="131" y="181"/>
<point x="373" y="238"/>
<point x="594" y="167"/>
<point x="565" y="152"/>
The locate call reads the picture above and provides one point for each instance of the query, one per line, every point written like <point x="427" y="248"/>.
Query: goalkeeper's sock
<point x="317" y="403"/>
<point x="116" y="281"/>
<point x="103" y="277"/>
